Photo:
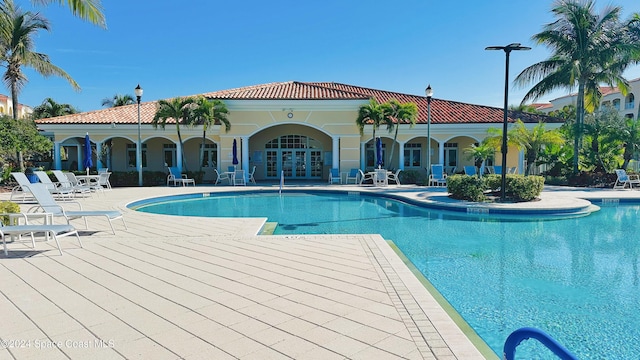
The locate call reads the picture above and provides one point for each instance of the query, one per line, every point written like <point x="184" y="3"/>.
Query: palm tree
<point x="50" y="108"/>
<point x="588" y="49"/>
<point x="406" y="112"/>
<point x="118" y="100"/>
<point x="17" y="49"/>
<point x="179" y="110"/>
<point x="208" y="113"/>
<point x="375" y="114"/>
<point x="480" y="153"/>
<point x="17" y="29"/>
<point x="630" y="137"/>
<point x="90" y="10"/>
<point x="533" y="141"/>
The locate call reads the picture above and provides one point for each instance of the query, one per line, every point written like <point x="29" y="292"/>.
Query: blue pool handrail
<point x="516" y="337"/>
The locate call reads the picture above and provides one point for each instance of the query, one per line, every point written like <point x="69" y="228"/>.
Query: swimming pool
<point x="576" y="278"/>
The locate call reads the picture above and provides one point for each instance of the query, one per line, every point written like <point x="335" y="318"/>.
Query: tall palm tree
<point x="375" y="114"/>
<point x="533" y="141"/>
<point x="401" y="112"/>
<point x="50" y="108"/>
<point x="90" y="10"/>
<point x="588" y="49"/>
<point x="118" y="100"/>
<point x="177" y="110"/>
<point x="17" y="29"/>
<point x="17" y="49"/>
<point x="629" y="134"/>
<point x="208" y="113"/>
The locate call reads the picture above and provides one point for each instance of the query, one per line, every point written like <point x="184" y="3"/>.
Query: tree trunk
<point x="577" y="143"/>
<point x="393" y="148"/>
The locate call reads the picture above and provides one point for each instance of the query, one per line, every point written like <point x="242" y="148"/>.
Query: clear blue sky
<point x="177" y="48"/>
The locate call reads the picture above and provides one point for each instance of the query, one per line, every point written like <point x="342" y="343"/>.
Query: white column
<point x="57" y="159"/>
<point x="441" y="153"/>
<point x="80" y="153"/>
<point x="178" y="157"/>
<point x="401" y="155"/>
<point x="99" y="163"/>
<point x="363" y="155"/>
<point x="336" y="152"/>
<point x="520" y="162"/>
<point x="245" y="154"/>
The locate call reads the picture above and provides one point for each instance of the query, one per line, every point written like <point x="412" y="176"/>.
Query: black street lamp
<point x="507" y="50"/>
<point x="429" y="92"/>
<point x="138" y="92"/>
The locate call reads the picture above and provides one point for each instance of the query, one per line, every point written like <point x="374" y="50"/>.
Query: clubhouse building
<point x="300" y="128"/>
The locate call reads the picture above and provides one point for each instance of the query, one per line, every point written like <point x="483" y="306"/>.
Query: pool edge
<point x="466" y="329"/>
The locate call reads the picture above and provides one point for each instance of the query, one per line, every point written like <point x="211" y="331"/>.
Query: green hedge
<point x="413" y="177"/>
<point x="8" y="207"/>
<point x="472" y="188"/>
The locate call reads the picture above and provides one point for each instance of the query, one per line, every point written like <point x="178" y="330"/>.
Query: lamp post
<point x="429" y="92"/>
<point x="507" y="50"/>
<point x="138" y="92"/>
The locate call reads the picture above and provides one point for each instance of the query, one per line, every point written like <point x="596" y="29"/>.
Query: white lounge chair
<point x="353" y="175"/>
<point x="251" y="178"/>
<point x="238" y="178"/>
<point x="334" y="175"/>
<point x="625" y="179"/>
<point x="380" y="177"/>
<point x="22" y="187"/>
<point x="66" y="183"/>
<point x="437" y="176"/>
<point x="394" y="177"/>
<point x="364" y="177"/>
<point x="470" y="170"/>
<point x="176" y="178"/>
<point x="55" y="231"/>
<point x="46" y="203"/>
<point x="51" y="186"/>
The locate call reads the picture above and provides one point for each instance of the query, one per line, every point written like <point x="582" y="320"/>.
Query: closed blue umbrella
<point x="88" y="162"/>
<point x="380" y="161"/>
<point x="235" y="152"/>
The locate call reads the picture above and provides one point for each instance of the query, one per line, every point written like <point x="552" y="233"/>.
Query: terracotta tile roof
<point x="442" y="111"/>
<point x="290" y="90"/>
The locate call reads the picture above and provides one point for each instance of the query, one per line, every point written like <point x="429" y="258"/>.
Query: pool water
<point x="577" y="279"/>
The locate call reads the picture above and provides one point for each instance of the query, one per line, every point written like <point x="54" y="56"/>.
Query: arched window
<point x="629" y="102"/>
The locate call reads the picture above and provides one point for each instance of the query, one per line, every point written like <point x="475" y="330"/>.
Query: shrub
<point x="492" y="182"/>
<point x="413" y="177"/>
<point x="8" y="207"/>
<point x="524" y="188"/>
<point x="464" y="187"/>
<point x="473" y="188"/>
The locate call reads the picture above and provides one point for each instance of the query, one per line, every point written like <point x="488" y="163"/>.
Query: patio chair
<point x="220" y="177"/>
<point x="238" y="178"/>
<point x="380" y="177"/>
<point x="625" y="179"/>
<point x="353" y="175"/>
<point x="470" y="170"/>
<point x="437" y="176"/>
<point x="53" y="187"/>
<point x="55" y="231"/>
<point x="46" y="203"/>
<point x="251" y="178"/>
<point x="176" y="178"/>
<point x="22" y="187"/>
<point x="334" y="174"/>
<point x="365" y="177"/>
<point x="497" y="169"/>
<point x="66" y="182"/>
<point x="103" y="180"/>
<point x="394" y="177"/>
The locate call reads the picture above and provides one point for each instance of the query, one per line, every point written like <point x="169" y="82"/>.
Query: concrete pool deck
<point x="206" y="288"/>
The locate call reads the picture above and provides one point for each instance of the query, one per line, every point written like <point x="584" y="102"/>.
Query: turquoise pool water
<point x="577" y="279"/>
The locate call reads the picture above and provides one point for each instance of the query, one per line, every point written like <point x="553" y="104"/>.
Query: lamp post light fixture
<point x="138" y="92"/>
<point x="507" y="50"/>
<point x="429" y="92"/>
